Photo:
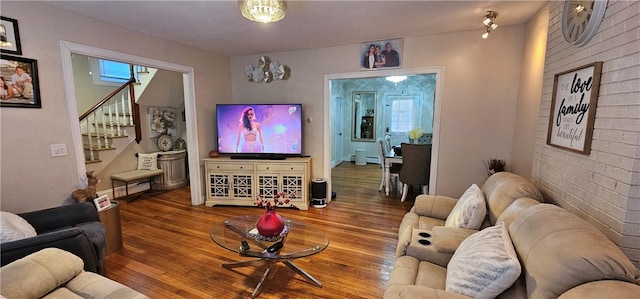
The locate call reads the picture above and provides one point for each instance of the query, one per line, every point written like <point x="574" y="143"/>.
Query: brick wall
<point x="604" y="186"/>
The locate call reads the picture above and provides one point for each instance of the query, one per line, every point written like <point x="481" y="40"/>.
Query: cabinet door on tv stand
<point x="289" y="178"/>
<point x="219" y="185"/>
<point x="230" y="181"/>
<point x="293" y="187"/>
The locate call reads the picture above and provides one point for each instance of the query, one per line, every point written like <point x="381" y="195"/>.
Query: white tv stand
<point x="239" y="181"/>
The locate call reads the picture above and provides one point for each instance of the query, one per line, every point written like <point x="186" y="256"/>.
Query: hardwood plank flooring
<point x="167" y="251"/>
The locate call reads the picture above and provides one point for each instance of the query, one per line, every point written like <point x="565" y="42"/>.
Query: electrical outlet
<point x="58" y="150"/>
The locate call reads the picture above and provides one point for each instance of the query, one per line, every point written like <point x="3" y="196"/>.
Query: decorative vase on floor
<point x="270" y="224"/>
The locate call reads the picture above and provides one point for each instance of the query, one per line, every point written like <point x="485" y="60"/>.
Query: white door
<point x="337" y="130"/>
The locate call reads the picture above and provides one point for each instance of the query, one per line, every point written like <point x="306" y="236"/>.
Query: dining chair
<point x="394" y="170"/>
<point x="416" y="167"/>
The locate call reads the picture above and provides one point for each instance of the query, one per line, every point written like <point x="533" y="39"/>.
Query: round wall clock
<point x="581" y="19"/>
<point x="165" y="143"/>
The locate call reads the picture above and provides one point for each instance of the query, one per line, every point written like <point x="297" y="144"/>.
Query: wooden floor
<point x="167" y="251"/>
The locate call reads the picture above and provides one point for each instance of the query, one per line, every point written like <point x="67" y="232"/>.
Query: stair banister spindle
<point x="113" y="133"/>
<point x="91" y="156"/>
<point x="124" y="109"/>
<point x="130" y="108"/>
<point x="95" y="130"/>
<point x="104" y="128"/>
<point x="117" y="120"/>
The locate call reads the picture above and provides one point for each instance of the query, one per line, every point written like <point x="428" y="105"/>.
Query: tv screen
<point x="259" y="129"/>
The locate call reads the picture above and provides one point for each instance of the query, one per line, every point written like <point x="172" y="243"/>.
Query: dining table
<point x="389" y="159"/>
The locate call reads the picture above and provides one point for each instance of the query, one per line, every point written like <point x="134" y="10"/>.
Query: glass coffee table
<point x="238" y="234"/>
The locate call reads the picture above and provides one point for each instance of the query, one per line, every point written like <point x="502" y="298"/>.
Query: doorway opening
<point x="68" y="49"/>
<point x="425" y="110"/>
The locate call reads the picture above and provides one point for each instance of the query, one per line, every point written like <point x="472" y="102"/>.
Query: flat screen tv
<point x="259" y="130"/>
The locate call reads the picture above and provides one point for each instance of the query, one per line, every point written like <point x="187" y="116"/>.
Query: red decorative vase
<point x="270" y="224"/>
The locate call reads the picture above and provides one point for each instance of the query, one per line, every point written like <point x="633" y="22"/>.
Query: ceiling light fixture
<point x="396" y="79"/>
<point x="489" y="22"/>
<point x="263" y="11"/>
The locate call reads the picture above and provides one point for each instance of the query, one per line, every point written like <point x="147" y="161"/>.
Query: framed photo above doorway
<point x="381" y="54"/>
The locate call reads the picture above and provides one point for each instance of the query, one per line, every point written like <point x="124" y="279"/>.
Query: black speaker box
<point x="319" y="189"/>
<point x="319" y="193"/>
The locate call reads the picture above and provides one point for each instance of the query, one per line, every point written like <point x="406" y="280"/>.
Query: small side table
<point x="175" y="172"/>
<point x="110" y="217"/>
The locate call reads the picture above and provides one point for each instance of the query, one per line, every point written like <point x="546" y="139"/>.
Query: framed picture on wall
<point x="381" y="54"/>
<point x="573" y="108"/>
<point x="162" y="121"/>
<point x="19" y="80"/>
<point x="9" y="36"/>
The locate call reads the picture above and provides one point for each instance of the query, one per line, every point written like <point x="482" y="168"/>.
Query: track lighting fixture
<point x="489" y="22"/>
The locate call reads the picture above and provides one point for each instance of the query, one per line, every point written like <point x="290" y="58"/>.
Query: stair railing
<point x="107" y="108"/>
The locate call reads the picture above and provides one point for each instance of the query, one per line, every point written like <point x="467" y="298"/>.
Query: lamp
<point x="489" y="22"/>
<point x="263" y="11"/>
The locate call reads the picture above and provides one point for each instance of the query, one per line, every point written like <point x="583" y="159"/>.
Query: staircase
<point x="112" y="123"/>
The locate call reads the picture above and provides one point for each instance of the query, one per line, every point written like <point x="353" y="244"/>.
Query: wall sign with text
<point x="573" y="108"/>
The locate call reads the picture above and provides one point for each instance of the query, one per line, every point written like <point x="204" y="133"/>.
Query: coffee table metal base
<point x="270" y="263"/>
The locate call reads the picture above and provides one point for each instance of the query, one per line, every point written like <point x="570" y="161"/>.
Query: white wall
<point x="604" y="186"/>
<point x="31" y="179"/>
<point x="527" y="115"/>
<point x="480" y="91"/>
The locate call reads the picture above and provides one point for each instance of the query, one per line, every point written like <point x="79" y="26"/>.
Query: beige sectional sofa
<point x="55" y="273"/>
<point x="535" y="250"/>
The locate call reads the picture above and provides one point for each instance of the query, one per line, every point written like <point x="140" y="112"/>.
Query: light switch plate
<point x="58" y="150"/>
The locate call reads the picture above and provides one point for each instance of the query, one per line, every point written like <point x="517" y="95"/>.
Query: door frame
<point x="69" y="48"/>
<point x="328" y="127"/>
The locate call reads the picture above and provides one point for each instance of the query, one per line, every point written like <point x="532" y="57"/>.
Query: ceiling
<point x="218" y="26"/>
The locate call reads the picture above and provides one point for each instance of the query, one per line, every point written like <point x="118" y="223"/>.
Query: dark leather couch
<point x="75" y="228"/>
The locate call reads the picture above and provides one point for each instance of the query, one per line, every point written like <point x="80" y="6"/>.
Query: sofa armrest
<point x="39" y="273"/>
<point x="71" y="239"/>
<point x="434" y="206"/>
<point x="63" y="216"/>
<point x="447" y="239"/>
<point x="603" y="289"/>
<point x="413" y="291"/>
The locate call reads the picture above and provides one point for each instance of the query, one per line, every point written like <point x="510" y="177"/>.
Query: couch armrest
<point x="447" y="239"/>
<point x="39" y="273"/>
<point x="434" y="206"/>
<point x="603" y="289"/>
<point x="413" y="291"/>
<point x="71" y="239"/>
<point x="63" y="216"/>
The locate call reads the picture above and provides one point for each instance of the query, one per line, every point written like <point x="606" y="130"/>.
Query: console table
<point x="175" y="170"/>
<point x="240" y="181"/>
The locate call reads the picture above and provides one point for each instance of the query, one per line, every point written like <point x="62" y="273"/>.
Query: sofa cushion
<point x="101" y="287"/>
<point x="603" y="289"/>
<point x="148" y="161"/>
<point x="14" y="227"/>
<point x="409" y="270"/>
<point x="61" y="293"/>
<point x="469" y="211"/>
<point x="515" y="209"/>
<point x="39" y="273"/>
<point x="502" y="188"/>
<point x="413" y="292"/>
<point x="560" y="251"/>
<point x="484" y="265"/>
